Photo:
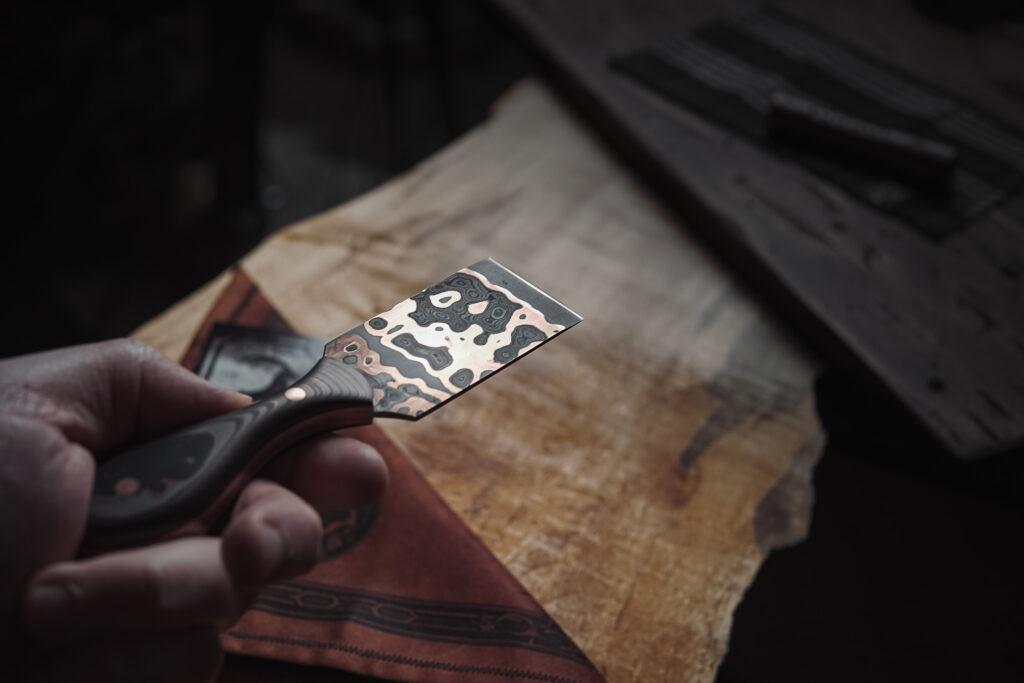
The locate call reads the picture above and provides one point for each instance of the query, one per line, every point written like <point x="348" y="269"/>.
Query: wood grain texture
<point x="173" y="330"/>
<point x="938" y="324"/>
<point x="634" y="472"/>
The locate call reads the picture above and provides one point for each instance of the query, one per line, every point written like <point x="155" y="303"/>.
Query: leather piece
<point x="407" y="592"/>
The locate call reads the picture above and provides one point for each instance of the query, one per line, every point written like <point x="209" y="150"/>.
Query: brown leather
<point x="407" y="592"/>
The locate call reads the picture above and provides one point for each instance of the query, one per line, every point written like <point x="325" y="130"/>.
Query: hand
<point x="151" y="613"/>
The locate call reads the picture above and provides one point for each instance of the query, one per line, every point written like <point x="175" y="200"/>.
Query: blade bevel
<point x="449" y="337"/>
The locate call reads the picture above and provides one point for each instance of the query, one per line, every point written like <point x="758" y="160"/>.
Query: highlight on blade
<point x="450" y="336"/>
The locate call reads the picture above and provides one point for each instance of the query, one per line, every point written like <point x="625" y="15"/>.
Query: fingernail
<point x="50" y="605"/>
<point x="242" y="399"/>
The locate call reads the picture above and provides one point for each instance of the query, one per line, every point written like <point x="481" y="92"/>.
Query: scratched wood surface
<point x="634" y="473"/>
<point x="939" y="324"/>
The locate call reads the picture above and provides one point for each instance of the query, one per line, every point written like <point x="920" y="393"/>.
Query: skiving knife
<point x="403" y="363"/>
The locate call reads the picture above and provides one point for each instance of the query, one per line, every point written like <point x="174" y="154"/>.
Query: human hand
<point x="150" y="613"/>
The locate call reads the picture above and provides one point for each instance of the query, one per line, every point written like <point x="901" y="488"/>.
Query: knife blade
<point x="403" y="363"/>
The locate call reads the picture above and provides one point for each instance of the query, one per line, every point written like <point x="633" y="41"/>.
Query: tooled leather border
<point x="407" y="661"/>
<point x="453" y="622"/>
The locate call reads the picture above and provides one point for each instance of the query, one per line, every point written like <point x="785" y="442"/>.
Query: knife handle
<point x="181" y="483"/>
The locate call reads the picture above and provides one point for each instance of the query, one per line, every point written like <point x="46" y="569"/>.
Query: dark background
<point x="149" y="145"/>
<point x="154" y="143"/>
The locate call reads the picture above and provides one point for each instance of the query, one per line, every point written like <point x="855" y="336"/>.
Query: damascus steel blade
<point x="438" y="343"/>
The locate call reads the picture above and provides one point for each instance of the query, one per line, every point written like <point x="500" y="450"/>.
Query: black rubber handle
<point x="183" y="482"/>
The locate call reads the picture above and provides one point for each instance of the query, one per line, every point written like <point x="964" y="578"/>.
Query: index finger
<point x="106" y="394"/>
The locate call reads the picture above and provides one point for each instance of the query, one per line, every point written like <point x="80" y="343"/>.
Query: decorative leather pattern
<point x="452" y="622"/>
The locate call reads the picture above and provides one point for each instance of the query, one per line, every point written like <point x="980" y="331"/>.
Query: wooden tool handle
<point x="182" y="482"/>
<point x="923" y="162"/>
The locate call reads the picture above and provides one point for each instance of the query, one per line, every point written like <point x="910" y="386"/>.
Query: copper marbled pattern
<point x="443" y="340"/>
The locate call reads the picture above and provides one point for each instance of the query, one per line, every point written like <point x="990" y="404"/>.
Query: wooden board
<point x="939" y="323"/>
<point x="633" y="473"/>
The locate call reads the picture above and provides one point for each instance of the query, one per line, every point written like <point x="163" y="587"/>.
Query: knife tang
<point x="182" y="483"/>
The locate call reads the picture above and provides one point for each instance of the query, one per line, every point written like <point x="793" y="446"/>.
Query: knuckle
<point x="255" y="494"/>
<point x="304" y="544"/>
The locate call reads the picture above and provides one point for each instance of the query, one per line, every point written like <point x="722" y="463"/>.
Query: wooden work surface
<point x="938" y="322"/>
<point x="634" y="473"/>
